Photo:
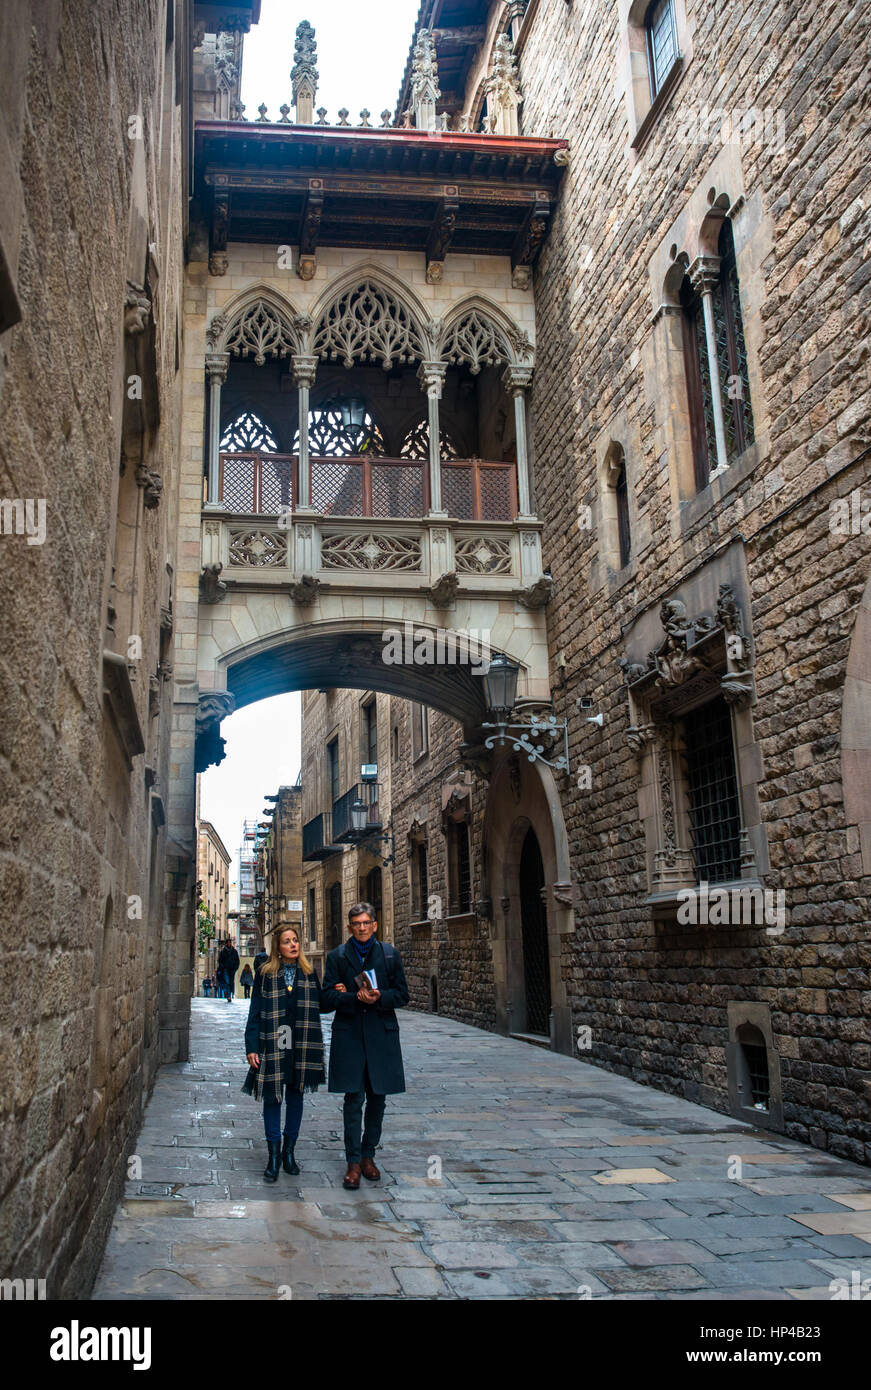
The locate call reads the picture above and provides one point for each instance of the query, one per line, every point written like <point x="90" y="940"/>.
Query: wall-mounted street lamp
<point x="500" y="685"/>
<point x="363" y="832"/>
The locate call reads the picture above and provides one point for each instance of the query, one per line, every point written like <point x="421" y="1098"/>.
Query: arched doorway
<point x="533" y="921"/>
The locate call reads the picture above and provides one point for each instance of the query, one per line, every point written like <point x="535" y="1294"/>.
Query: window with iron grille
<point x="756" y="1061"/>
<point x="661" y="42"/>
<point x="712" y="792"/>
<point x="419" y="881"/>
<point x="624" y="534"/>
<point x="370" y="733"/>
<point x="333" y="769"/>
<point x="459" y="868"/>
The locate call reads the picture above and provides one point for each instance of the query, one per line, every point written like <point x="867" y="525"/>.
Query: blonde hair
<point x="273" y="964"/>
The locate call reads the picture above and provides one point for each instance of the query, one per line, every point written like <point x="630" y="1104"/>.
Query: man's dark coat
<point x="365" y="1035"/>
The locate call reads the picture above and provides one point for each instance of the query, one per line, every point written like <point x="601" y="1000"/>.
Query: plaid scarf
<point x="308" y="1044"/>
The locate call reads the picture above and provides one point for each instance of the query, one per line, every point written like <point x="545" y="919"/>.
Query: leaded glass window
<point x="415" y="445"/>
<point x="342" y="428"/>
<point x="661" y="42"/>
<point x="248" y="434"/>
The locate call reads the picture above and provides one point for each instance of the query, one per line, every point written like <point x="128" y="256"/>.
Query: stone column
<point x="516" y="381"/>
<point x="216" y="367"/>
<point x="432" y="376"/>
<point x="304" y="370"/>
<point x="704" y="276"/>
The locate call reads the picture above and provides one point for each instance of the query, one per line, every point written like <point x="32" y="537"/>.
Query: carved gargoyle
<point x="444" y="592"/>
<point x="632" y="670"/>
<point x="304" y="591"/>
<point x="151" y="484"/>
<point x="539" y="594"/>
<point x="212" y="587"/>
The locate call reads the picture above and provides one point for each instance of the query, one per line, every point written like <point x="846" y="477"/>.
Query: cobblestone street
<point x="558" y="1180"/>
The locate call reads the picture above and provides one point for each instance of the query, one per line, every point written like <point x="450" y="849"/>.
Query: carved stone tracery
<point x="367" y="324"/>
<point x="362" y="551"/>
<point x="475" y="341"/>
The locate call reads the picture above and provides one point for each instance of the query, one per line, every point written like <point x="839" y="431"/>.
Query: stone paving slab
<point x="558" y="1181"/>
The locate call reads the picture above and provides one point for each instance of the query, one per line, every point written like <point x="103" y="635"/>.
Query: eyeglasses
<point x="367" y="923"/>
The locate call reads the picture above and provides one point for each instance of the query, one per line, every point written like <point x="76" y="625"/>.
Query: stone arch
<point x="409" y="339"/>
<point x="282" y="338"/>
<point x="489" y="330"/>
<point x="856" y="730"/>
<point x="348" y="653"/>
<point x="709" y="231"/>
<point x="524" y="796"/>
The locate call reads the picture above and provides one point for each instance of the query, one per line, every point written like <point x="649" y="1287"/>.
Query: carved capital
<point x="431" y="375"/>
<point x="215" y="331"/>
<point x="639" y="737"/>
<point x="517" y="380"/>
<point x="704" y="274"/>
<point x="304" y="370"/>
<point x="217" y="365"/>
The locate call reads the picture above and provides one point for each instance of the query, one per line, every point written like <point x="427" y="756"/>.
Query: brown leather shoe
<point x="369" y="1170"/>
<point x="351" y="1180"/>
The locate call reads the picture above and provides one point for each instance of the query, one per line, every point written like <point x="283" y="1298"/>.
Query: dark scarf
<point x="308" y="1044"/>
<point x="362" y="951"/>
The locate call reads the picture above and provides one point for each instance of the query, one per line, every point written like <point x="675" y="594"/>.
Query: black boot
<point x="288" y="1162"/>
<point x="270" y="1172"/>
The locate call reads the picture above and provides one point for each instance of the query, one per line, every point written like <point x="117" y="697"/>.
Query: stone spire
<point x="424" y="81"/>
<point x="304" y="74"/>
<point x="503" y="90"/>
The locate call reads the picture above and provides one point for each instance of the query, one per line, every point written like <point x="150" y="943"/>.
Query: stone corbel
<point x="151" y="484"/>
<point x="304" y="591"/>
<point x="220" y="225"/>
<point x="526" y="247"/>
<point x="212" y="707"/>
<point x="444" y="224"/>
<point x="444" y="592"/>
<point x="537" y="595"/>
<point x="212" y="587"/>
<point x="309" y="230"/>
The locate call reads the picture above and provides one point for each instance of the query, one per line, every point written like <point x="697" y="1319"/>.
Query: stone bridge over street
<point x="557" y="1181"/>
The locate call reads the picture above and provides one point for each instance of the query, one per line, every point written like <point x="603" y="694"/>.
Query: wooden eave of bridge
<point x="379" y="188"/>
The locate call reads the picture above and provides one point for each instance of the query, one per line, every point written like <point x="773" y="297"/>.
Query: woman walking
<point x="246" y="980"/>
<point x="284" y="1044"/>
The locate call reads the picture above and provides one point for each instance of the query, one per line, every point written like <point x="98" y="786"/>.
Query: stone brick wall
<point x="657" y="1002"/>
<point x="82" y="838"/>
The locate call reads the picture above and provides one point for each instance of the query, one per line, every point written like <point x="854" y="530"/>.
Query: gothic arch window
<point x="617" y="528"/>
<point x="624" y="534"/>
<point x="248" y="434"/>
<point x="732" y="379"/>
<point x="342" y="428"/>
<point x="415" y="445"/>
<point x="367" y="323"/>
<point x="660" y="29"/>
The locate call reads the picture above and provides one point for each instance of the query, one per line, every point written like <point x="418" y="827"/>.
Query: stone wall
<point x="82" y="833"/>
<point x="657" y="1001"/>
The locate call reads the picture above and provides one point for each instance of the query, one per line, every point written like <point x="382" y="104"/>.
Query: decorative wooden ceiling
<point x="391" y="189"/>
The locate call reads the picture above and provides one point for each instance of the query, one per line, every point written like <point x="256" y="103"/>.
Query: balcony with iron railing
<point x="344" y="829"/>
<point x="317" y="840"/>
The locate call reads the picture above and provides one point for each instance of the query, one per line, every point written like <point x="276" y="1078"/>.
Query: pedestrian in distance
<point x="284" y="1044"/>
<point x="365" y="1054"/>
<point x="207" y="987"/>
<point x="228" y="960"/>
<point x="246" y="980"/>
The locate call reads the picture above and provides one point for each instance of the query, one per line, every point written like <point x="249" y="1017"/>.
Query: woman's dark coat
<point x="365" y="1035"/>
<point x="274" y="1069"/>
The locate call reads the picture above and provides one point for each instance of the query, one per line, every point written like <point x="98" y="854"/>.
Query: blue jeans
<point x="293" y="1117"/>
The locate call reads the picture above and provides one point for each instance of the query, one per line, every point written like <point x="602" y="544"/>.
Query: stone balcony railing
<point x="369" y="527"/>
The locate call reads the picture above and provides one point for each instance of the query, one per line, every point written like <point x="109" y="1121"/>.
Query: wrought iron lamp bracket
<point x="527" y="730"/>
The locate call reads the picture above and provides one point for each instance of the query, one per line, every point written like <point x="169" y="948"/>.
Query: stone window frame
<point x="644" y="106"/>
<point x="606" y="569"/>
<point x="417" y="836"/>
<point x="691" y="238"/>
<point x="457" y="813"/>
<point x="758" y="1016"/>
<point x="701" y="655"/>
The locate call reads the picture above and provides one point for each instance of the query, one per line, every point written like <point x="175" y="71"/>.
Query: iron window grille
<point x="712" y="790"/>
<point x="461" y="869"/>
<point x="756" y="1058"/>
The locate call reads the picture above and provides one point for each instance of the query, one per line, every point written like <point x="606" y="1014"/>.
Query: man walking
<point x="365" y="1055"/>
<point x="228" y="962"/>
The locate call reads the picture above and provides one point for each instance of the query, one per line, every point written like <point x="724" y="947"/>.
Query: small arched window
<point x="661" y="31"/>
<point x="624" y="535"/>
<point x="248" y="434"/>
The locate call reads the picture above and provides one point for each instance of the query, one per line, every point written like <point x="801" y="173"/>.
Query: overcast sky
<point x="362" y="50"/>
